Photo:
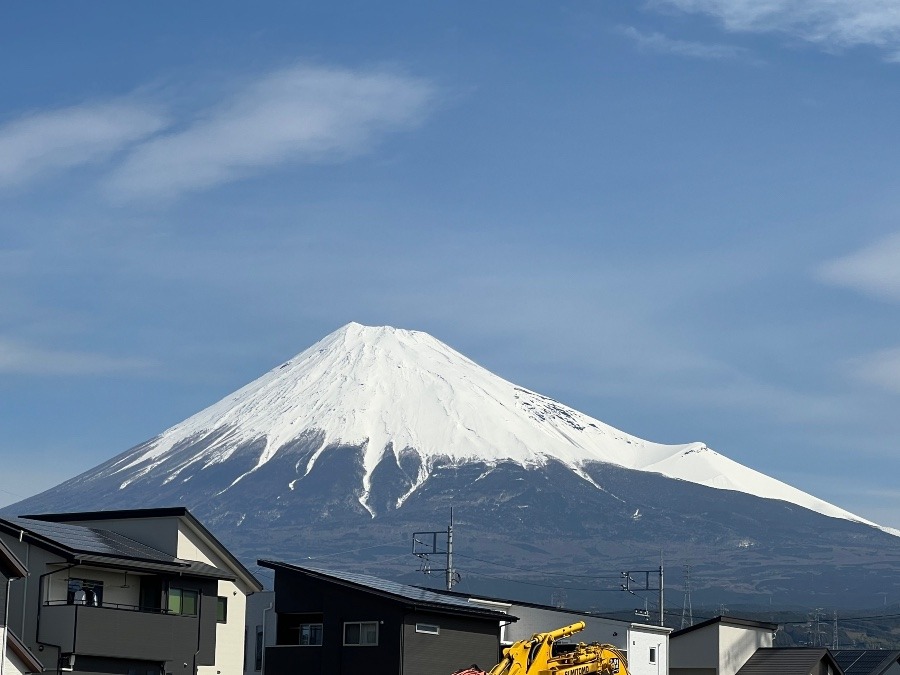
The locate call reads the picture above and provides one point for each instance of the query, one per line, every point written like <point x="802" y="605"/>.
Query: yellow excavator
<point x="535" y="656"/>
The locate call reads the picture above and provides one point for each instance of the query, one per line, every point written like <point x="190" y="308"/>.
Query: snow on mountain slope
<point x="386" y="390"/>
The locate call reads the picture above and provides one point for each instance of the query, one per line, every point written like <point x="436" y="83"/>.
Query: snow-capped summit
<point x="391" y="391"/>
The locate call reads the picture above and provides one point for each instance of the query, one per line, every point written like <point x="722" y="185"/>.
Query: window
<point x="259" y="648"/>
<point x="361" y="633"/>
<point x="652" y="654"/>
<point x="428" y="628"/>
<point x="85" y="592"/>
<point x="221" y="610"/>
<point x="183" y="601"/>
<point x="310" y="634"/>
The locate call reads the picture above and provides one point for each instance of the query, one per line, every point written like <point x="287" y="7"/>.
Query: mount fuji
<point x="373" y="432"/>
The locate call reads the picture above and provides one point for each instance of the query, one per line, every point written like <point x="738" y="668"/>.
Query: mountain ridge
<point x="400" y="391"/>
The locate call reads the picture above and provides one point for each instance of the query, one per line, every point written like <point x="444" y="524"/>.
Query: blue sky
<point x="679" y="216"/>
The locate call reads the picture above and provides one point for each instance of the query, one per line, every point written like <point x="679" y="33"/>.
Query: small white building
<point x="719" y="646"/>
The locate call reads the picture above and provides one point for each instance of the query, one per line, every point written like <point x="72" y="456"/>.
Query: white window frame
<point x="428" y="628"/>
<point x="652" y="654"/>
<point x="360" y="624"/>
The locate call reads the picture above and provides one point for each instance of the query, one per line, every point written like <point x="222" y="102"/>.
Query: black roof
<point x="420" y="598"/>
<point x="787" y="661"/>
<point x="729" y="621"/>
<point x="104" y="548"/>
<point x="161" y="512"/>
<point x="865" y="661"/>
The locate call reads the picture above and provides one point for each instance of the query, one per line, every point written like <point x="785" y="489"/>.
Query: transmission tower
<point x="687" y="612"/>
<point x="835" y="641"/>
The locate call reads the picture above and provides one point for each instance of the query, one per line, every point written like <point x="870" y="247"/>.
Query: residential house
<point x="719" y="646"/>
<point x="339" y="622"/>
<point x="131" y="592"/>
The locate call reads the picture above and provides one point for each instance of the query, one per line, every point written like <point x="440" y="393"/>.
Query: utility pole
<point x="450" y="578"/>
<point x="628" y="580"/>
<point x="427" y="544"/>
<point x="662" y="612"/>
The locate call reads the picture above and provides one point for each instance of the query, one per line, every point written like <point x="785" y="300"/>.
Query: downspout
<point x="263" y="663"/>
<point x="199" y="626"/>
<point x="25" y="589"/>
<point x="5" y="625"/>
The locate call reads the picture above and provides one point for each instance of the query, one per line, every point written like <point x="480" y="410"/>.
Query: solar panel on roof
<point x="90" y="540"/>
<point x="864" y="661"/>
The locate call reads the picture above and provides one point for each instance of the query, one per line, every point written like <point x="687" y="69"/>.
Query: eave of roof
<point x="728" y="621"/>
<point x="434" y="606"/>
<point x="10" y="565"/>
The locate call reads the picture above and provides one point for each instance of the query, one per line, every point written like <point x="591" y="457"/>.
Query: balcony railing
<point x="114" y="605"/>
<point x="121" y="631"/>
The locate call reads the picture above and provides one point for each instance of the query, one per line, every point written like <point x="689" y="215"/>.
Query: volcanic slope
<point x="387" y="425"/>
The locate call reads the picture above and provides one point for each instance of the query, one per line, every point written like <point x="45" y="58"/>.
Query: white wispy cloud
<point x="662" y="44"/>
<point x="832" y="24"/>
<point x="874" y="269"/>
<point x="23" y="359"/>
<point x="45" y="141"/>
<point x="881" y="369"/>
<point x="300" y="114"/>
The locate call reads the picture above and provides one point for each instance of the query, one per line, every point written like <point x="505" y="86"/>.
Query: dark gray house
<point x="339" y="622"/>
<point x="142" y="592"/>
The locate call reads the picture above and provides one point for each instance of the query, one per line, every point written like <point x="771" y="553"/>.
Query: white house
<point x="719" y="646"/>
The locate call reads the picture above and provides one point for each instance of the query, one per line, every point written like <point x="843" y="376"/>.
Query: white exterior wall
<point x="737" y="644"/>
<point x="229" y="635"/>
<point x="260" y="613"/>
<point x="640" y="642"/>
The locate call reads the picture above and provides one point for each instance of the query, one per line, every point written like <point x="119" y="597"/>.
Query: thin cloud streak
<point x="874" y="270"/>
<point x="21" y="359"/>
<point x="881" y="369"/>
<point x="69" y="137"/>
<point x="662" y="44"/>
<point x="832" y="24"/>
<point x="301" y="114"/>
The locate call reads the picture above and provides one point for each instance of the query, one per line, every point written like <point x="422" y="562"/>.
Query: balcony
<point x="117" y="631"/>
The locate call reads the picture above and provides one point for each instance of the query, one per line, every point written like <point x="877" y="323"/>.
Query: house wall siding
<point x="299" y="594"/>
<point x="458" y="644"/>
